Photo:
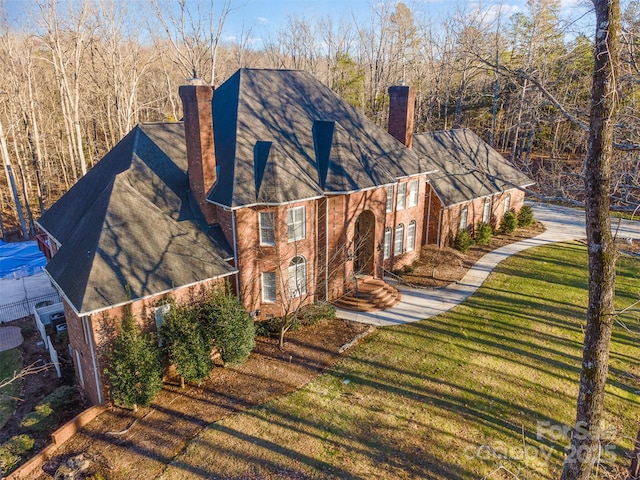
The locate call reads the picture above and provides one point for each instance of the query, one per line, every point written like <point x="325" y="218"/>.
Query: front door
<point x="363" y="241"/>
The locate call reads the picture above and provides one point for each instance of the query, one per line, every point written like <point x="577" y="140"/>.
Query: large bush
<point x="135" y="366"/>
<point x="462" y="241"/>
<point x="509" y="222"/>
<point x="185" y="344"/>
<point x="484" y="234"/>
<point x="229" y="326"/>
<point x="51" y="409"/>
<point x="12" y="451"/>
<point x="525" y="216"/>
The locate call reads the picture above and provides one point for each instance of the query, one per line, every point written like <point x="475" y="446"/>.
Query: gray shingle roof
<point x="281" y="135"/>
<point x="468" y="167"/>
<point x="131" y="222"/>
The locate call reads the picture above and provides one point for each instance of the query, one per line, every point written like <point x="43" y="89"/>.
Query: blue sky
<point x="264" y="17"/>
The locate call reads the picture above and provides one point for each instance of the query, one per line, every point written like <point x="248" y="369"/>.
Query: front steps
<point x="372" y="294"/>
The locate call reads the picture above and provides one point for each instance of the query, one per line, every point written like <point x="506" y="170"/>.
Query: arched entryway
<point x="364" y="242"/>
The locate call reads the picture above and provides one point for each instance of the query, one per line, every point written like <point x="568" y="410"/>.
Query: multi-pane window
<point x="402" y="196"/>
<point x="398" y="241"/>
<point x="507" y="203"/>
<point x="297" y="277"/>
<point x="413" y="193"/>
<point x="268" y="286"/>
<point x="386" y="252"/>
<point x="390" y="198"/>
<point x="464" y="213"/>
<point x="411" y="236"/>
<point x="267" y="235"/>
<point x="296" y="224"/>
<point x="486" y="211"/>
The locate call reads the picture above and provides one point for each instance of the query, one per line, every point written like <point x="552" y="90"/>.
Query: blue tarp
<point x="20" y="259"/>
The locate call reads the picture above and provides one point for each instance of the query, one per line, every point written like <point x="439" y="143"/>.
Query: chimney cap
<point x="194" y="81"/>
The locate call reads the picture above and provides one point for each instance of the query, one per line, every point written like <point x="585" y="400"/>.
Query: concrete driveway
<point x="561" y="223"/>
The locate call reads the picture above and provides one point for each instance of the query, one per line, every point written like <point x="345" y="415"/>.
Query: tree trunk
<point x="12" y="183"/>
<point x="602" y="256"/>
<point x="634" y="470"/>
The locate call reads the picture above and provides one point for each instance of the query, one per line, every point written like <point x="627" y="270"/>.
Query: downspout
<point x="426" y="238"/>
<point x="235" y="254"/>
<point x="93" y="360"/>
<point x="326" y="256"/>
<point x="439" y="226"/>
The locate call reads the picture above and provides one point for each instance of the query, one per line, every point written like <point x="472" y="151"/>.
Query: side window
<point x="464" y="213"/>
<point x="413" y="193"/>
<point x="486" y="211"/>
<point x="398" y="243"/>
<point x="297" y="277"/>
<point x="387" y="243"/>
<point x="296" y="224"/>
<point x="402" y="196"/>
<point x="267" y="235"/>
<point x="390" y="191"/>
<point x="411" y="236"/>
<point x="161" y="313"/>
<point x="269" y="287"/>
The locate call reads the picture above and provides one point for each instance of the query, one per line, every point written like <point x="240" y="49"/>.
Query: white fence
<point x="44" y="314"/>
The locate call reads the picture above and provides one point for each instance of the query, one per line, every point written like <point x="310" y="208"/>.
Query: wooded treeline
<point x="79" y="74"/>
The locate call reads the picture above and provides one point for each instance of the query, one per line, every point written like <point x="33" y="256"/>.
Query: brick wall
<point x="405" y="216"/>
<point x="449" y="220"/>
<point x="254" y="258"/>
<point x="99" y="330"/>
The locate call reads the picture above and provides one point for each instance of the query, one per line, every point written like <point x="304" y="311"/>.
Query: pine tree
<point x="135" y="366"/>
<point x="185" y="343"/>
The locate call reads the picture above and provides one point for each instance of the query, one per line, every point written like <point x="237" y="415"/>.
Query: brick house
<point x="273" y="183"/>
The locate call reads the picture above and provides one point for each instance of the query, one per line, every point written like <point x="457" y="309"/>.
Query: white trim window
<point x="486" y="210"/>
<point x="402" y="196"/>
<point x="390" y="191"/>
<point x="411" y="236"/>
<point x="267" y="233"/>
<point x="269" y="287"/>
<point x="464" y="214"/>
<point x="161" y="312"/>
<point x="413" y="193"/>
<point x="386" y="247"/>
<point x="507" y="202"/>
<point x="297" y="277"/>
<point x="398" y="241"/>
<point x="296" y="224"/>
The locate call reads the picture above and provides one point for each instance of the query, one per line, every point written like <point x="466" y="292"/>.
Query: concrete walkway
<point x="561" y="223"/>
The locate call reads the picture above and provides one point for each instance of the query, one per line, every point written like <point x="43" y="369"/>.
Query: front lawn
<point x="481" y="391"/>
<point x="10" y="363"/>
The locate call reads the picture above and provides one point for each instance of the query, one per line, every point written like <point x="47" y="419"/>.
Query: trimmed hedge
<point x="484" y="234"/>
<point x="509" y="222"/>
<point x="525" y="216"/>
<point x="462" y="241"/>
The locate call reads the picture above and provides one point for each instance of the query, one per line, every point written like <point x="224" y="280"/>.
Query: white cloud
<point x="231" y="38"/>
<point x="488" y="14"/>
<point x="262" y="20"/>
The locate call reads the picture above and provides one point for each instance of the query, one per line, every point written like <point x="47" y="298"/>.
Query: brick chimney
<point x="402" y="100"/>
<point x="198" y="131"/>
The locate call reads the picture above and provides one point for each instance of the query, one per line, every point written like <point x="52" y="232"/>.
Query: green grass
<point x="457" y="396"/>
<point x="10" y="362"/>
